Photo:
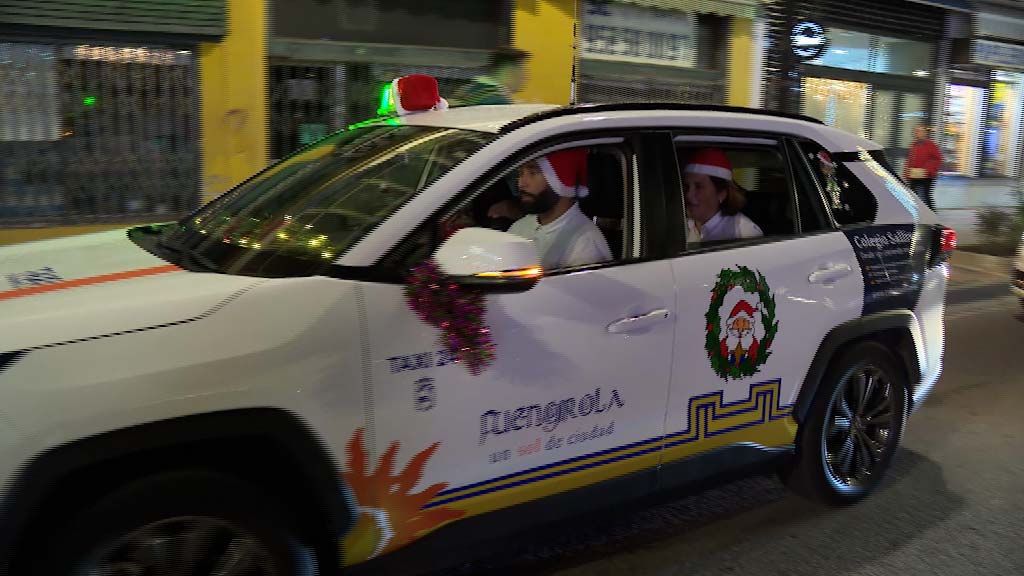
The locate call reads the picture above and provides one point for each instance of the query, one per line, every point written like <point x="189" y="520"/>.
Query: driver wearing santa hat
<point x="549" y="187"/>
<point x="713" y="201"/>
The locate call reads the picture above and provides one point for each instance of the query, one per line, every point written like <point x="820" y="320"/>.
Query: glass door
<point x="960" y="134"/>
<point x="1002" y="132"/>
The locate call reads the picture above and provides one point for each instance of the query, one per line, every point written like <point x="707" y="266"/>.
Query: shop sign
<point x="808" y="40"/>
<point x="125" y="55"/>
<point x="997" y="54"/>
<point x="613" y="31"/>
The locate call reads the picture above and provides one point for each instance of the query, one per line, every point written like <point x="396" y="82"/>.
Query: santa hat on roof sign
<point x="566" y="172"/>
<point x="416" y="93"/>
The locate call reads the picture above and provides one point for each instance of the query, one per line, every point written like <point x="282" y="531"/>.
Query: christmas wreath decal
<point x="741" y="324"/>
<point x="457" y="311"/>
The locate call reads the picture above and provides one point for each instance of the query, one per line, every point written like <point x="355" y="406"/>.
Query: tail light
<point x="947" y="240"/>
<point x="945" y="245"/>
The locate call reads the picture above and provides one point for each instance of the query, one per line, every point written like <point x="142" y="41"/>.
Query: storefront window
<point x="28" y="73"/>
<point x="870" y="53"/>
<point x="1003" y="129"/>
<point x="908" y="57"/>
<point x="960" y="129"/>
<point x="837" y="103"/>
<point x="850" y="50"/>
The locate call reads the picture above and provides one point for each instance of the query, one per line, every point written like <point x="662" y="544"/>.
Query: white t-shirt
<point x="722" y="227"/>
<point x="571" y="240"/>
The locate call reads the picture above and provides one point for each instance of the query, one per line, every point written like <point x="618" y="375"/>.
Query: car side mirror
<point x="490" y="260"/>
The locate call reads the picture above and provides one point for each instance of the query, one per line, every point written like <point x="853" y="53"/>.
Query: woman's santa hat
<point x="416" y="93"/>
<point x="710" y="161"/>
<point x="566" y="172"/>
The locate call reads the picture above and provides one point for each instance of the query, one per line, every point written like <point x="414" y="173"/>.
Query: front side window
<point x="571" y="202"/>
<point x="296" y="217"/>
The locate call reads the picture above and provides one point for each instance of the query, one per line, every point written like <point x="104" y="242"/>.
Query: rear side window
<point x="848" y="199"/>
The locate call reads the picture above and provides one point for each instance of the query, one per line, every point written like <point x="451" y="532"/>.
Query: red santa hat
<point x="416" y="93"/>
<point x="738" y="303"/>
<point x="742" y="308"/>
<point x="710" y="161"/>
<point x="566" y="172"/>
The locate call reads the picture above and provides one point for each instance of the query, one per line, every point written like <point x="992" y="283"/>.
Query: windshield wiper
<point x="180" y="255"/>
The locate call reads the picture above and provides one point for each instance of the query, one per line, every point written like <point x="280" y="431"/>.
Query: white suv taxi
<point x="349" y="361"/>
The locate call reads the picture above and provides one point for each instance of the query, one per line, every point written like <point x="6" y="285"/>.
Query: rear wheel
<point x="181" y="523"/>
<point x="853" y="427"/>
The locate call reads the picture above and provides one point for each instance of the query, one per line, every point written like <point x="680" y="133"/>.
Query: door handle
<point x="829" y="274"/>
<point x="632" y="323"/>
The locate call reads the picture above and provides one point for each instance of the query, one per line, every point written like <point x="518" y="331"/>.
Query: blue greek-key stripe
<point x="763" y="403"/>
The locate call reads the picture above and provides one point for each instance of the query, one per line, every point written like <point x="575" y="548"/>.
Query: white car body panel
<point x="552" y="344"/>
<point x="805" y="312"/>
<point x="1018" y="287"/>
<point x="929" y="333"/>
<point x="290" y="355"/>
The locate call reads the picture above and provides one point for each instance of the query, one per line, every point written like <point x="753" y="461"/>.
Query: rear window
<point x="849" y="200"/>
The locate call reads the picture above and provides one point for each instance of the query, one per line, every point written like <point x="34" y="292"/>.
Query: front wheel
<point x="182" y="523"/>
<point x="853" y="427"/>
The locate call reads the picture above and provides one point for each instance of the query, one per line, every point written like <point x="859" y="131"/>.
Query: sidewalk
<point x="957" y="193"/>
<point x="958" y="199"/>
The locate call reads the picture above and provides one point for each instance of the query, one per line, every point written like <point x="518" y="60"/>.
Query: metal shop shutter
<point x="204" y="18"/>
<point x="891" y="18"/>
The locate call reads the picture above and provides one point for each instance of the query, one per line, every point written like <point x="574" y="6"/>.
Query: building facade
<point x="982" y="126"/>
<point x="664" y="50"/>
<point x="328" y="60"/>
<point x="870" y="68"/>
<point x="100" y="120"/>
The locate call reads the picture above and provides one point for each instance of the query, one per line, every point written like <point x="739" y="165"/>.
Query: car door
<point x="575" y="393"/>
<point x="752" y="312"/>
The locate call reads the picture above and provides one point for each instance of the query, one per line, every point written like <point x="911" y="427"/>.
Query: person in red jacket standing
<point x="923" y="165"/>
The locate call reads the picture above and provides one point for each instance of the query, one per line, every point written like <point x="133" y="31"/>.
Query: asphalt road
<point x="952" y="504"/>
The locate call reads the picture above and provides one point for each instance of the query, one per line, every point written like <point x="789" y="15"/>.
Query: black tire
<point x="199" y="518"/>
<point x="835" y="463"/>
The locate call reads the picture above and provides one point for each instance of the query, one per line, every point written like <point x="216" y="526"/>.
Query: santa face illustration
<point x="741" y="330"/>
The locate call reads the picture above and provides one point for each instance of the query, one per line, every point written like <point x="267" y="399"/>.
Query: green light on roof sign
<point x="387" y="104"/>
<point x="89" y="101"/>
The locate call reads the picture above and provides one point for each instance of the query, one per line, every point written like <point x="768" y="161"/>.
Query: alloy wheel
<point x="186" y="546"/>
<point x="859" y="428"/>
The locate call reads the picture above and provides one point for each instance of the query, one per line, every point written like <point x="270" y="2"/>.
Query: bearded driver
<point x="549" y="187"/>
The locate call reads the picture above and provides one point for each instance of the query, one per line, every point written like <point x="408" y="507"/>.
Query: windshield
<point x="297" y="216"/>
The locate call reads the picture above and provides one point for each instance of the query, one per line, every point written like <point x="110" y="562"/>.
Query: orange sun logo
<point x="390" y="514"/>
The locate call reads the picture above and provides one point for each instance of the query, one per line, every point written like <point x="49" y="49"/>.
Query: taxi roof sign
<point x="410" y="94"/>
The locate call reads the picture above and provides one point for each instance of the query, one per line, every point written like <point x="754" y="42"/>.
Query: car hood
<point x="97" y="284"/>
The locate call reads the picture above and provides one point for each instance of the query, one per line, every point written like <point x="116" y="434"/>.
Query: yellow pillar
<point x="233" y="99"/>
<point x="740" y="73"/>
<point x="544" y="29"/>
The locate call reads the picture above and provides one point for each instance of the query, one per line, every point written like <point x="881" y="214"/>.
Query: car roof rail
<point x="582" y="108"/>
